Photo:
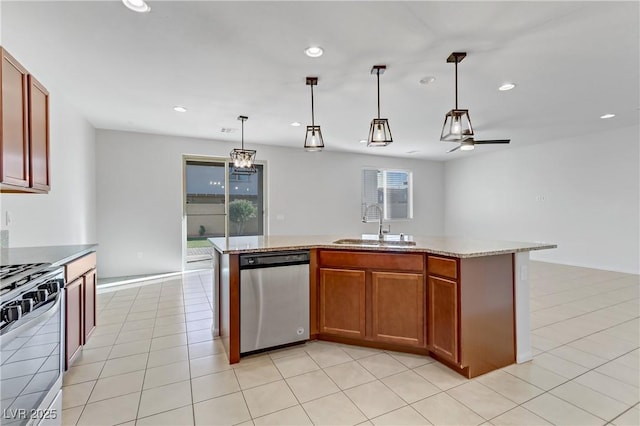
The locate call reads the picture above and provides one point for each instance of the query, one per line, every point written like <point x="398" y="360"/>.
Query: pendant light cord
<point x="242" y="134"/>
<point x="378" y="74"/>
<point x="313" y="123"/>
<point x="456" y="82"/>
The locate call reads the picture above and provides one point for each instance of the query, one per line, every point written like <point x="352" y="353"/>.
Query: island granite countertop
<point x="446" y="246"/>
<point x="55" y="255"/>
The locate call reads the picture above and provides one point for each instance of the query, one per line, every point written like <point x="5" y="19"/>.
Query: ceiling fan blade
<point x="454" y="149"/>
<point x="486" y="142"/>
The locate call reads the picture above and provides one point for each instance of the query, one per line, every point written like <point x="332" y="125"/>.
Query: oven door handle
<point x="36" y="317"/>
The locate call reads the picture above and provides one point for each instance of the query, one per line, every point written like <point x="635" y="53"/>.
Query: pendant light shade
<point x="457" y="126"/>
<point x="243" y="159"/>
<point x="313" y="141"/>
<point x="379" y="132"/>
<point x="457" y="123"/>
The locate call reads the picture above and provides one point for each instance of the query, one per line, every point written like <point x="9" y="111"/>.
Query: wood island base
<point x="460" y="311"/>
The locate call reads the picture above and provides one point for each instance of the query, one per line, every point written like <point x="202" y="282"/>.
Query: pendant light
<point x="313" y="141"/>
<point x="379" y="133"/>
<point x="457" y="124"/>
<point x="243" y="159"/>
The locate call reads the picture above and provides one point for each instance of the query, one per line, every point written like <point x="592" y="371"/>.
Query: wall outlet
<point x="140" y="255"/>
<point x="280" y="217"/>
<point x="540" y="198"/>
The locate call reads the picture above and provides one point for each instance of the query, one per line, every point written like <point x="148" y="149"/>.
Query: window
<point x="391" y="190"/>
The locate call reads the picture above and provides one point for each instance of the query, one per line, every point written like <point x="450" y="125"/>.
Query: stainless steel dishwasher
<point x="274" y="299"/>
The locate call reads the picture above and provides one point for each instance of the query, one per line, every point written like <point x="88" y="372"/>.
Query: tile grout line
<point x="579" y="298"/>
<point x="581" y="315"/>
<point x="633" y="407"/>
<point x="193" y="404"/>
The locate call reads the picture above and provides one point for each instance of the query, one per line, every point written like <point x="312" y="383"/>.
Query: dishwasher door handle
<point x="258" y="285"/>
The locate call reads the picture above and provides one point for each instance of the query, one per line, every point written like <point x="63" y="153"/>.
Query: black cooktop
<point x="14" y="276"/>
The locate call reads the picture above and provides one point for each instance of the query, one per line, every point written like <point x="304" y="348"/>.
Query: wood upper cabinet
<point x="398" y="308"/>
<point x="342" y="302"/>
<point x="443" y="333"/>
<point x="38" y="135"/>
<point x="15" y="137"/>
<point x="24" y="145"/>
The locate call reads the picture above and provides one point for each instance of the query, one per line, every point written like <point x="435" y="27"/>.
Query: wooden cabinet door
<point x="398" y="308"/>
<point x="443" y="318"/>
<point x="89" y="304"/>
<point x="73" y="318"/>
<point x="38" y="135"/>
<point x="342" y="302"/>
<point x="15" y="138"/>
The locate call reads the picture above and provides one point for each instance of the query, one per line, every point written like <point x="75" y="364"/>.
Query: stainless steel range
<point x="31" y="336"/>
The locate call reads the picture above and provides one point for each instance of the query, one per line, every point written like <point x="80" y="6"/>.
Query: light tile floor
<point x="153" y="361"/>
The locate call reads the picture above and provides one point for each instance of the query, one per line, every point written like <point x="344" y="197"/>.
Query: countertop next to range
<point x="56" y="255"/>
<point x="446" y="246"/>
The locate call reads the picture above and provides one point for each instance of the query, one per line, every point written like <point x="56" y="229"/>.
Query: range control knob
<point x="26" y="305"/>
<point x="52" y="287"/>
<point x="38" y="296"/>
<point x="11" y="313"/>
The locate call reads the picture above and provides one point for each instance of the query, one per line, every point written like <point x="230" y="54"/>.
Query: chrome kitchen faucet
<point x="380" y="216"/>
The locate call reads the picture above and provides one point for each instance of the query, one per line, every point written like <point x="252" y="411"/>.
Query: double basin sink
<point x="389" y="240"/>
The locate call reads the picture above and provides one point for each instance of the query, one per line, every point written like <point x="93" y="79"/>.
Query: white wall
<point x="66" y="215"/>
<point x="140" y="184"/>
<point x="581" y="194"/>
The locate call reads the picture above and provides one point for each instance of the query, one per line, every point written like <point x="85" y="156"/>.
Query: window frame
<point x="366" y="215"/>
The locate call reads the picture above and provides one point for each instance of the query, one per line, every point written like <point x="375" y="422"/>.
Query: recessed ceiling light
<point x="412" y="152"/>
<point x="296" y="124"/>
<point x="179" y="108"/>
<point x="314" y="51"/>
<point x="137" y="5"/>
<point x="427" y="80"/>
<point x="506" y="86"/>
<point x="608" y="116"/>
<point x="363" y="141"/>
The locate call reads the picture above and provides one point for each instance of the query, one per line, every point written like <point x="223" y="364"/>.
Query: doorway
<point x="218" y="203"/>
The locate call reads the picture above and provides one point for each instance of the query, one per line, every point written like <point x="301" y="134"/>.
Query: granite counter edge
<point x="384" y="249"/>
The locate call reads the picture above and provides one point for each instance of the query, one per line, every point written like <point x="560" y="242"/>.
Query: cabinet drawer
<point x="79" y="266"/>
<point x="442" y="266"/>
<point x="368" y="260"/>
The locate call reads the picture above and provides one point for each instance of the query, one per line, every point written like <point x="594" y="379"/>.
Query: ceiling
<point x="572" y="62"/>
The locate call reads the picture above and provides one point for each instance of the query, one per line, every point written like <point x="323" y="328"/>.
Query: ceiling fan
<point x="457" y="123"/>
<point x="469" y="144"/>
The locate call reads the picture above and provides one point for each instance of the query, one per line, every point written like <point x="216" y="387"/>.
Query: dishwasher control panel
<point x="253" y="260"/>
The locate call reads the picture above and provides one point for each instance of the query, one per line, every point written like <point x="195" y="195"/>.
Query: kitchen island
<point x="464" y="302"/>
